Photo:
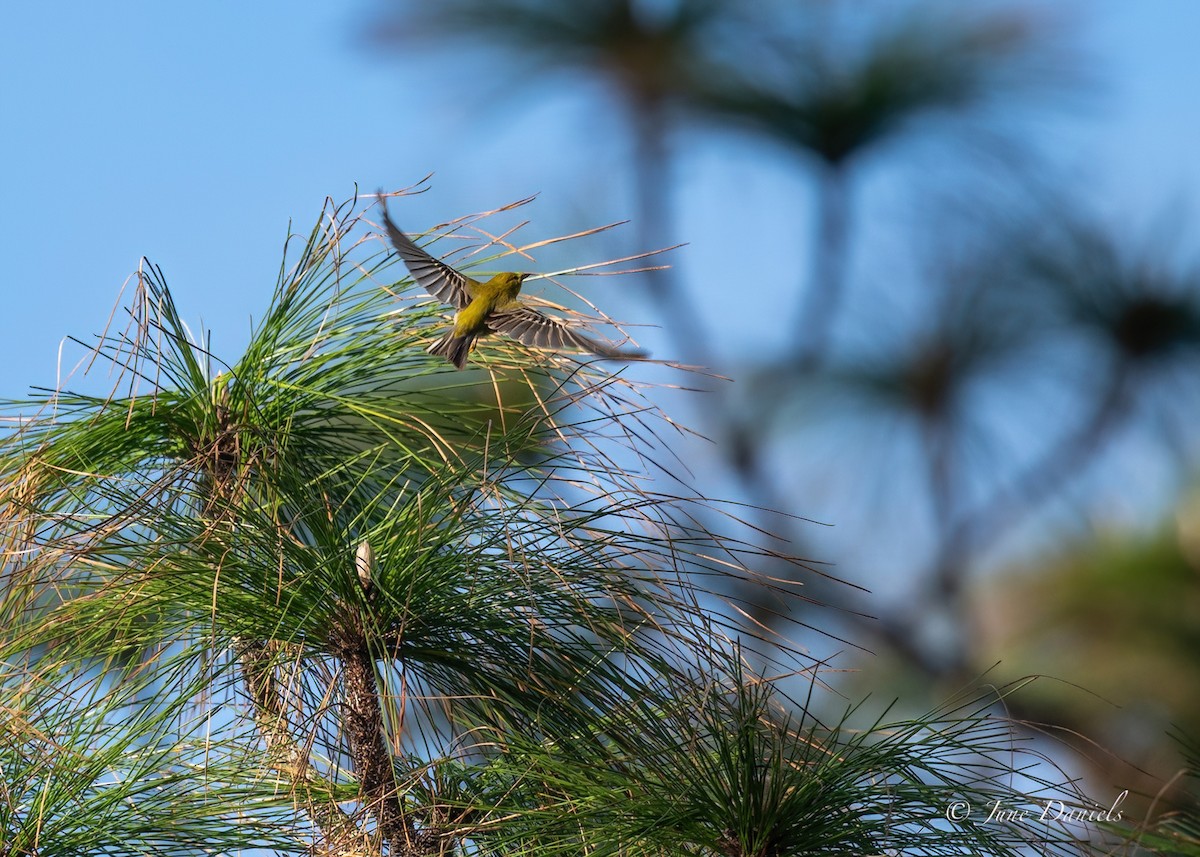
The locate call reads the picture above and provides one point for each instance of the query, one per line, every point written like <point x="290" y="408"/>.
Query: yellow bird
<point x="490" y="307"/>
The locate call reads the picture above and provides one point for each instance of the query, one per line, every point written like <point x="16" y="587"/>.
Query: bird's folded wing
<point x="433" y="275"/>
<point x="527" y="325"/>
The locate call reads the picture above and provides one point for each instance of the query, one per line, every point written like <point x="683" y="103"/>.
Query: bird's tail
<point x="454" y="348"/>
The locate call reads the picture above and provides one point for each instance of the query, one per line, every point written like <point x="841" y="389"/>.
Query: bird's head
<point x="510" y="281"/>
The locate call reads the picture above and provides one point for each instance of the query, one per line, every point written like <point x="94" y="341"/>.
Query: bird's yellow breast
<point x="499" y="291"/>
<point x="473" y="317"/>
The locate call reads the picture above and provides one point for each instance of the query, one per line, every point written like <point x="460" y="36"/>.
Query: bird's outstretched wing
<point x="527" y="325"/>
<point x="433" y="275"/>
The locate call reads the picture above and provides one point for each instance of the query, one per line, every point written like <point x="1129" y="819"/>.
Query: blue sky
<point x="191" y="133"/>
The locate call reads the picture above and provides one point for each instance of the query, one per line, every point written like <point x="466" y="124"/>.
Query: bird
<point x="491" y="307"/>
<point x="364" y="562"/>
